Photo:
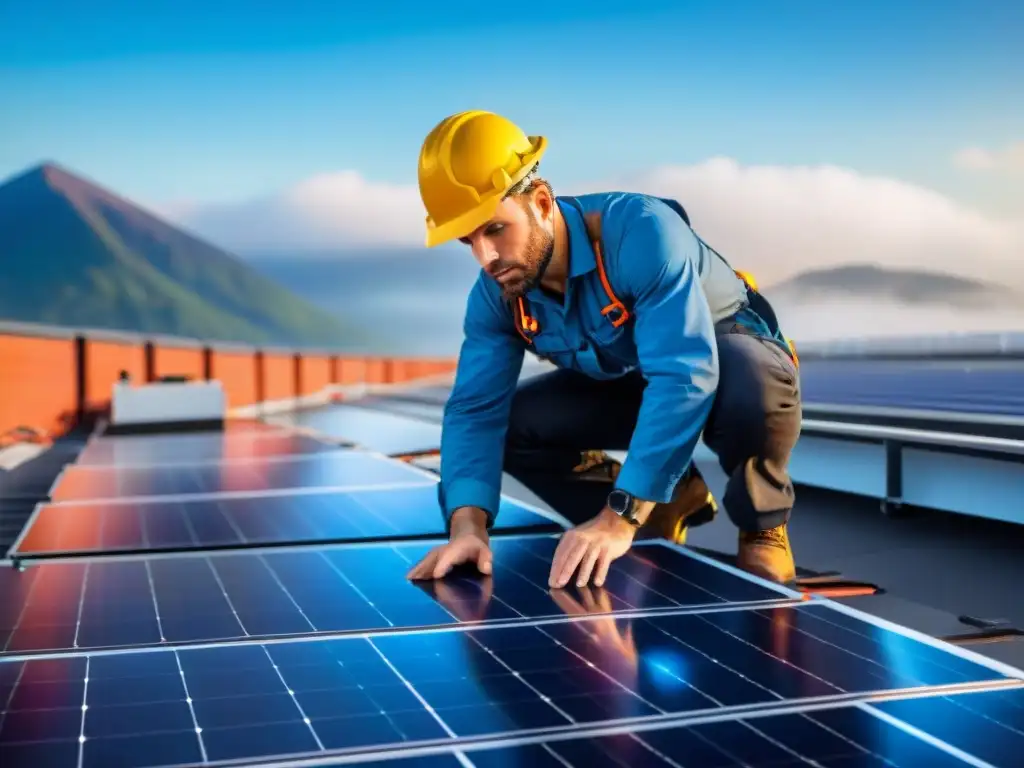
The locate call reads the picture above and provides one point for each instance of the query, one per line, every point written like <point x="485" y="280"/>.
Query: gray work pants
<point x="755" y="419"/>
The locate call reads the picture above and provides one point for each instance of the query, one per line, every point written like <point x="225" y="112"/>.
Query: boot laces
<point x="773" y="537"/>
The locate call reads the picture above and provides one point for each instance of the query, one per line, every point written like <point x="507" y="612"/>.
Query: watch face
<point x="618" y="502"/>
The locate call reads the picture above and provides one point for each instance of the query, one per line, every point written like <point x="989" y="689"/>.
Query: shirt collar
<point x="581" y="252"/>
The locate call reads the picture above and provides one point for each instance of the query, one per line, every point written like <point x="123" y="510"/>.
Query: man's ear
<point x="542" y="202"/>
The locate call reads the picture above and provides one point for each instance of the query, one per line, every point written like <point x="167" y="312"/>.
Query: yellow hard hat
<point x="468" y="163"/>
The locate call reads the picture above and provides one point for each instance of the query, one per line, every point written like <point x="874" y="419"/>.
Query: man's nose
<point x="485" y="253"/>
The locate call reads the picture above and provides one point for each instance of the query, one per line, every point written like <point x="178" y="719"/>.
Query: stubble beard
<point x="540" y="247"/>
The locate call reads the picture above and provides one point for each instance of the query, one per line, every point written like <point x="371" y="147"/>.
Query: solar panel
<point x="850" y="736"/>
<point x="337" y="469"/>
<point x="327" y="655"/>
<point x="246" y="520"/>
<point x="164" y="449"/>
<point x="981" y="389"/>
<point x="188" y="599"/>
<point x="242" y="701"/>
<point x="376" y="430"/>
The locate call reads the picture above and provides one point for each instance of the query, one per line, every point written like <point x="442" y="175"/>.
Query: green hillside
<point x="74" y="254"/>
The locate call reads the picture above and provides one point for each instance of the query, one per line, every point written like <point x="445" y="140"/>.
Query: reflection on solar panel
<point x="248" y="701"/>
<point x="337" y="589"/>
<point x="326" y="655"/>
<point x="194" y="448"/>
<point x="337" y="469"/>
<point x="975" y="732"/>
<point x="302" y="515"/>
<point x="376" y="430"/>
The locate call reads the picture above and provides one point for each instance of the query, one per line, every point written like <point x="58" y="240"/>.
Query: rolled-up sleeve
<point x="476" y="414"/>
<point x="675" y="339"/>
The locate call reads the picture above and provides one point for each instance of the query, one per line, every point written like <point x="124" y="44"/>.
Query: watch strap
<point x="623" y="504"/>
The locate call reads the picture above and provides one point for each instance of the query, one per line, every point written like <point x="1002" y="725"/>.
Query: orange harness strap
<point x="593" y="223"/>
<point x="527" y="326"/>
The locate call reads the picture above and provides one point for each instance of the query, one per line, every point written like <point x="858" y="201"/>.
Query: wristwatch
<point x="621" y="503"/>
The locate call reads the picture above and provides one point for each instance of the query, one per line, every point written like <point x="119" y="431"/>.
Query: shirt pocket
<point x="611" y="342"/>
<point x="551" y="347"/>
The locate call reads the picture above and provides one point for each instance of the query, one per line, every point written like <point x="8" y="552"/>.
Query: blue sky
<point x="222" y="101"/>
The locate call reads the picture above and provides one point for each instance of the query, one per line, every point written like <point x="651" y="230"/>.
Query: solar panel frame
<point x="298" y="677"/>
<point x="157" y="445"/>
<point x="131" y="467"/>
<point x="536" y="519"/>
<point x="871" y="639"/>
<point x="247" y="596"/>
<point x="416" y="434"/>
<point x="696" y="740"/>
<point x="156" y="481"/>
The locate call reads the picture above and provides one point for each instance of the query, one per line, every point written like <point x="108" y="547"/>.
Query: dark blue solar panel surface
<point x="197" y="447"/>
<point x="840" y="737"/>
<point x="321" y="470"/>
<point x="974" y="388"/>
<point x="231" y="702"/>
<point x="234" y="596"/>
<point x="334" y="516"/>
<point x="195" y="659"/>
<point x="374" y="430"/>
<point x="989" y="725"/>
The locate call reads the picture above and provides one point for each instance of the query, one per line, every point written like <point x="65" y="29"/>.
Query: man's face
<point x="516" y="245"/>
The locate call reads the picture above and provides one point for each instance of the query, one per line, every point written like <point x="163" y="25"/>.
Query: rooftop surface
<point x="240" y="598"/>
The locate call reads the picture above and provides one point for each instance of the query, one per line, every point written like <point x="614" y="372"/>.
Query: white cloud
<point x="773" y="220"/>
<point x="777" y="221"/>
<point x="1009" y="159"/>
<point x="330" y="210"/>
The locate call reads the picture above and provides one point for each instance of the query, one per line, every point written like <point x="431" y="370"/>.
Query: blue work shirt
<point x="651" y="257"/>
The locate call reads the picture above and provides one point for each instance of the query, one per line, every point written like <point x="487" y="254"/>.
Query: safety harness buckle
<point x="623" y="317"/>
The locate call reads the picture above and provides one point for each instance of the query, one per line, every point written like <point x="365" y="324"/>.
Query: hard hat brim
<point x="463" y="225"/>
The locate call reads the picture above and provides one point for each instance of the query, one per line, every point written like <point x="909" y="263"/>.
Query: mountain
<point x="908" y="286"/>
<point x="414" y="298"/>
<point x="865" y="300"/>
<point x="74" y="254"/>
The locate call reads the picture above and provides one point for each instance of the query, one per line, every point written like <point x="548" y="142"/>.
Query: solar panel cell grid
<point x="287" y="698"/>
<point x="678" y="661"/>
<point x="196" y="447"/>
<point x="269" y="594"/>
<point x="843" y="737"/>
<point x="309" y="515"/>
<point x="331" y="470"/>
<point x="943" y="387"/>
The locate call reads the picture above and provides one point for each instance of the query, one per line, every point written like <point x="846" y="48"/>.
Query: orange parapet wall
<point x="38" y="390"/>
<point x="52" y="379"/>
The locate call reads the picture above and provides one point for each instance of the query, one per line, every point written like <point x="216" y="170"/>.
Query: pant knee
<point x="758" y="496"/>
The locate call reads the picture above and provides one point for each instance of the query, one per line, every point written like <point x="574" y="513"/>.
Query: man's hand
<point x="467" y="543"/>
<point x="591" y="546"/>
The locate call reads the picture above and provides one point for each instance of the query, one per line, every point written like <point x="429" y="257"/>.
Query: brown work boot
<point x="597" y="466"/>
<point x="767" y="554"/>
<point x="692" y="505"/>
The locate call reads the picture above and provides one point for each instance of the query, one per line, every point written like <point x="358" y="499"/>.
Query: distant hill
<point x="72" y="253"/>
<point x="905" y="286"/>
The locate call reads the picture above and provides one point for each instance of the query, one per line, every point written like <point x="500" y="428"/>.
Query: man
<point x="656" y="340"/>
